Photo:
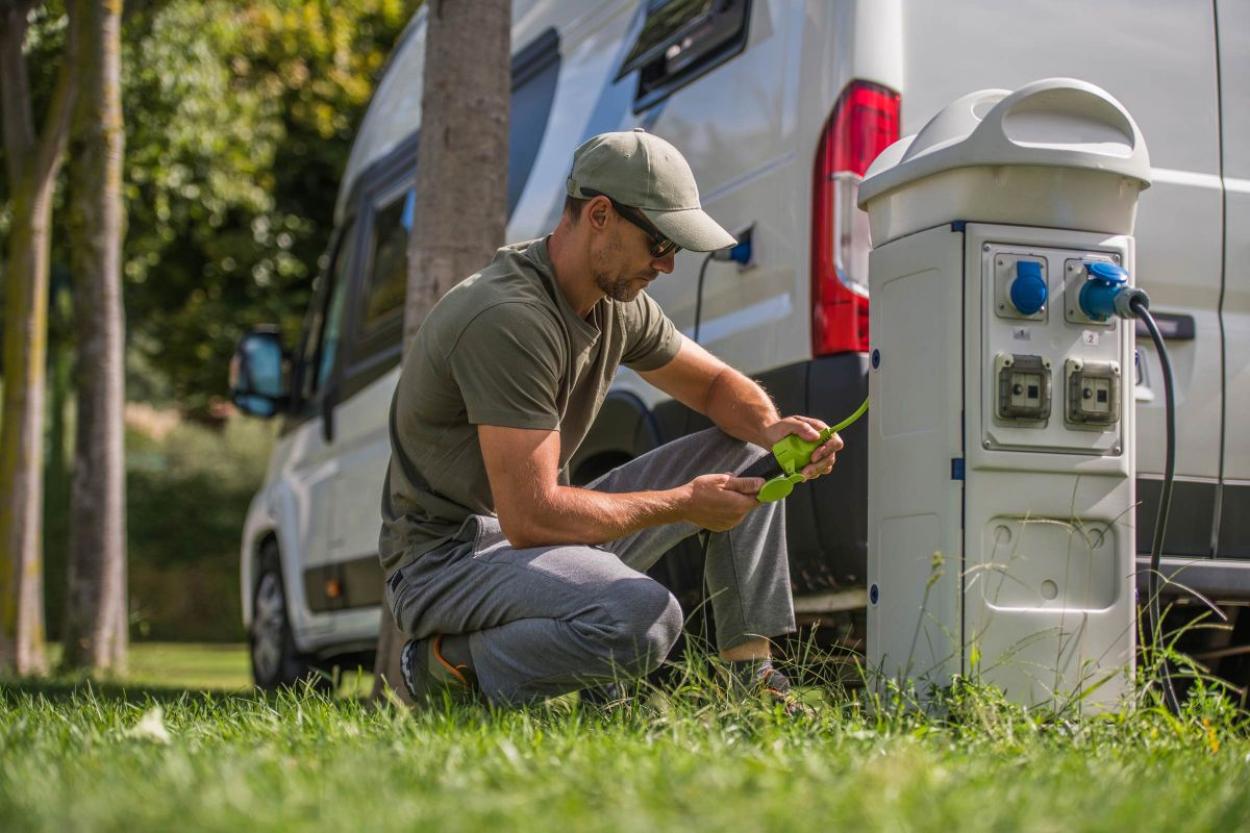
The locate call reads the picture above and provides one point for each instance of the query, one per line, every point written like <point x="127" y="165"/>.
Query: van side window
<point x="325" y="319"/>
<point x="680" y="41"/>
<point x="388" y="274"/>
<point x="535" y="70"/>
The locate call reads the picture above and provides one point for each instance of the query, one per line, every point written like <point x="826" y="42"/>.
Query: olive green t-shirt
<point x="504" y="348"/>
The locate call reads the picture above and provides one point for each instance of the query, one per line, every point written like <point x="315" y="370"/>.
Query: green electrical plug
<point x="793" y="453"/>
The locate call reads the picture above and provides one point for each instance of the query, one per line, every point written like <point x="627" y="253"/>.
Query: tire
<point x="276" y="663"/>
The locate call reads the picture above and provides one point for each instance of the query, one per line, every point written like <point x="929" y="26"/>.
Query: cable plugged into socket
<point x="741" y="253"/>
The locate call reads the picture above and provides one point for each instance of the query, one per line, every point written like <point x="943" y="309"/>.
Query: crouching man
<point x="513" y="585"/>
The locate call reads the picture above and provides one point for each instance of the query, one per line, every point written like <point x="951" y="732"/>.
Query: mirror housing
<point x="258" y="373"/>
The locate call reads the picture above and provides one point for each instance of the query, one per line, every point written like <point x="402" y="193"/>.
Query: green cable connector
<point x="793" y="453"/>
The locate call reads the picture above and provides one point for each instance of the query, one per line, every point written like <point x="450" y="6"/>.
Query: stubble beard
<point x="614" y="284"/>
<point x="618" y="289"/>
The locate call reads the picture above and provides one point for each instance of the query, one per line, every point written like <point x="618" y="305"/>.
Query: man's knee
<point x="646" y="623"/>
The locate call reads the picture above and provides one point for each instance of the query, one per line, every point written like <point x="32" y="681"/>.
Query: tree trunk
<point x="462" y="181"/>
<point x="32" y="165"/>
<point x="95" y="633"/>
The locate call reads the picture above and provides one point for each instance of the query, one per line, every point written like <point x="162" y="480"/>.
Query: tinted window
<point x="535" y="70"/>
<point x="388" y="274"/>
<point x="325" y="319"/>
<point x="333" y="335"/>
<point x="681" y="40"/>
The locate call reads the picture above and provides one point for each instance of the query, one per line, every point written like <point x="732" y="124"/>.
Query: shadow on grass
<point x="59" y="691"/>
<point x="64" y="691"/>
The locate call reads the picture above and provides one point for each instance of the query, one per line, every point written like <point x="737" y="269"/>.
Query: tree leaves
<point x="240" y="121"/>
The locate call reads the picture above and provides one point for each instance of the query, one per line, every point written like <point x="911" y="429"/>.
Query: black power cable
<point x="1139" y="306"/>
<point x="698" y="296"/>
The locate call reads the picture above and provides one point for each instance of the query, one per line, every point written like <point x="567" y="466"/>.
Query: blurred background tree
<point x="239" y="119"/>
<point x="34" y="135"/>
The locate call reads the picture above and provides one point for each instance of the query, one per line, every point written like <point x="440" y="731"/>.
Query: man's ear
<point x="597" y="212"/>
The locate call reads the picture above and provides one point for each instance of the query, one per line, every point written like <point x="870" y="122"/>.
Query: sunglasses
<point x="661" y="246"/>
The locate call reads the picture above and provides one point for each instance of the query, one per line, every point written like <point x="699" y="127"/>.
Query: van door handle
<point x="1172" y="326"/>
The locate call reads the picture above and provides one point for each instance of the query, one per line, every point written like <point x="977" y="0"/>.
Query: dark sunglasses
<point x="661" y="246"/>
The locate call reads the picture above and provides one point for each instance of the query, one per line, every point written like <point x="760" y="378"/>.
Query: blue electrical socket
<point x="741" y="253"/>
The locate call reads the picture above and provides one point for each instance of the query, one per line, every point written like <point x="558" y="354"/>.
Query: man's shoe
<point x="760" y="679"/>
<point x="428" y="676"/>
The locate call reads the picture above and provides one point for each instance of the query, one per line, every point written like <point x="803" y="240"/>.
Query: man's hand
<point x="808" y="428"/>
<point x="720" y="501"/>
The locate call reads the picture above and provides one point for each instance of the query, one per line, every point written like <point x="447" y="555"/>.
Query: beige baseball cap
<point x="645" y="172"/>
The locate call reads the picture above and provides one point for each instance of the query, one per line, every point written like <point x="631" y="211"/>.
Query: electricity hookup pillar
<point x="1001" y="451"/>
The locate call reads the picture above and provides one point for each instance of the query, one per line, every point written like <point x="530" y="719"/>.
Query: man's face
<point x="622" y="262"/>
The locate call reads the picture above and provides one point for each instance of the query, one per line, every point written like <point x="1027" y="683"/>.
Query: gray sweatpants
<point x="547" y="620"/>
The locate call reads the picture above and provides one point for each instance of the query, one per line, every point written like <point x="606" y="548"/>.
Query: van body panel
<point x="1234" y="51"/>
<point x="585" y="100"/>
<point x="1179" y="264"/>
<point x="742" y="141"/>
<point x="873" y="47"/>
<point x="365" y="449"/>
<point x="286" y="507"/>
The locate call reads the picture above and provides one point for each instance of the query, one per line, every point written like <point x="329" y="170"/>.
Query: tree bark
<point x="462" y="182"/>
<point x="95" y="632"/>
<point x="33" y="161"/>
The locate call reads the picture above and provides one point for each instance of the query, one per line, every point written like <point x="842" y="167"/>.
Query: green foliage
<point x="187" y="496"/>
<point x="687" y="759"/>
<point x="239" y="123"/>
<point x="187" y="499"/>
<point x="239" y="120"/>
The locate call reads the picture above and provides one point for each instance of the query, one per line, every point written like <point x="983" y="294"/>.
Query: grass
<point x="75" y="756"/>
<point x="189" y="666"/>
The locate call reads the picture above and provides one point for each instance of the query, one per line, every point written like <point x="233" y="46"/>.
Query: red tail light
<point x="864" y="123"/>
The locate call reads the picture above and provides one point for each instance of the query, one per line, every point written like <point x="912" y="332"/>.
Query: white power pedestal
<point x="1001" y="452"/>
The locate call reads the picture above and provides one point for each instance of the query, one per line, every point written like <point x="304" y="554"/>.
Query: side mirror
<point x="258" y="382"/>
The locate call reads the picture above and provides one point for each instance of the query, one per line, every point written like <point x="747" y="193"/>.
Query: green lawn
<point x="134" y="758"/>
<point x="190" y="666"/>
<point x="180" y="665"/>
<point x="204" y="666"/>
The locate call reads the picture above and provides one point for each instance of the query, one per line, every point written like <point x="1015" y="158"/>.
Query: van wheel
<point x="275" y="661"/>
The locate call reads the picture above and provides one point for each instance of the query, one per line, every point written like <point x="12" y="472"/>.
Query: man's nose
<point x="665" y="264"/>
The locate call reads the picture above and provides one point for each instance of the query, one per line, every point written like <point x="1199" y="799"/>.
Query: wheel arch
<point x="250" y="567"/>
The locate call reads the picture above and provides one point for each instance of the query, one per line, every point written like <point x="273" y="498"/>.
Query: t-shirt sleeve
<point x="507" y="364"/>
<point x="651" y="339"/>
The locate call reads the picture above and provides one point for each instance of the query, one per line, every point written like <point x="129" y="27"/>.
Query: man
<point x="513" y="584"/>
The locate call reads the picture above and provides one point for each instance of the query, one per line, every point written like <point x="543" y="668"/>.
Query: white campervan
<point x="779" y="105"/>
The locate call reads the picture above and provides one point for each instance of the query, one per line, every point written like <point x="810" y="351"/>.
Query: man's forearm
<point x="569" y="515"/>
<point x="740" y="407"/>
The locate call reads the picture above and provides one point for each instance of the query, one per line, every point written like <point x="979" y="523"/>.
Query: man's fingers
<point x="816" y="470"/>
<point x="744" y="485"/>
<point x="805" y="427"/>
<point x="833" y="446"/>
<point x="819" y="468"/>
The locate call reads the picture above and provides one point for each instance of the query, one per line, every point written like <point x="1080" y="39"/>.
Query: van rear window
<point x="680" y="41"/>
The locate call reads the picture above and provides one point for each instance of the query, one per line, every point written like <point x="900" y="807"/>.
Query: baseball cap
<point x="645" y="172"/>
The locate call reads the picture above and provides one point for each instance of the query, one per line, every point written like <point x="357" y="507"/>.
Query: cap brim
<point x="692" y="229"/>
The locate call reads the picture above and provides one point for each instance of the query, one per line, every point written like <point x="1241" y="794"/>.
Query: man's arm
<point x="535" y="510"/>
<point x="737" y="404"/>
<point x="704" y="383"/>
